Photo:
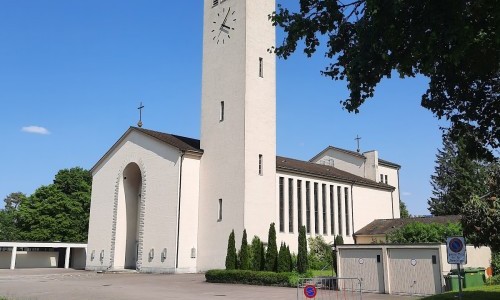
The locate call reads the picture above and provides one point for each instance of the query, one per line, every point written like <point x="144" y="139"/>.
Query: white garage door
<point x="414" y="271"/>
<point x="365" y="264"/>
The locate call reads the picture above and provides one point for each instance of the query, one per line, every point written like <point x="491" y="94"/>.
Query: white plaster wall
<point x="392" y="180"/>
<point x="159" y="164"/>
<point x="28" y="259"/>
<point x="371" y="166"/>
<point x="188" y="224"/>
<point x="343" y="161"/>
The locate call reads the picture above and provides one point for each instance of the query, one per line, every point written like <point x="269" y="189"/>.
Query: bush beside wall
<point x="252" y="277"/>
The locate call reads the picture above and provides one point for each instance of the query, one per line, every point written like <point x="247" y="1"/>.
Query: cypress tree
<point x="262" y="257"/>
<point x="302" y="263"/>
<point x="244" y="255"/>
<point x="282" y="259"/>
<point x="272" y="250"/>
<point x="289" y="259"/>
<point x="339" y="240"/>
<point x="231" y="252"/>
<point x="256" y="254"/>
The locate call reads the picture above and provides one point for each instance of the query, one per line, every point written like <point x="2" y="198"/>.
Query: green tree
<point x="456" y="178"/>
<point x="9" y="216"/>
<point x="404" y="213"/>
<point x="244" y="252"/>
<point x="13" y="200"/>
<point x="256" y="254"/>
<point x="302" y="262"/>
<point x="416" y="232"/>
<point x="283" y="264"/>
<point x="454" y="43"/>
<point x="231" y="252"/>
<point x="339" y="240"/>
<point x="272" y="250"/>
<point x="320" y="253"/>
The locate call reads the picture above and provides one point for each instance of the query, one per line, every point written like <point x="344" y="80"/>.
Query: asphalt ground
<point x="60" y="284"/>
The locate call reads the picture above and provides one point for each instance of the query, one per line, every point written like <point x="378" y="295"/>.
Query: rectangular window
<point x="261" y="165"/>
<point x="382" y="178"/>
<point x="347" y="216"/>
<point x="282" y="204"/>
<point x="386" y="181"/>
<point x="323" y="192"/>
<point x="221" y="115"/>
<point x="299" y="202"/>
<point x="339" y="206"/>
<point x="308" y="207"/>
<point x="290" y="205"/>
<point x="261" y="67"/>
<point x="316" y="212"/>
<point x="332" y="212"/>
<point x="219" y="217"/>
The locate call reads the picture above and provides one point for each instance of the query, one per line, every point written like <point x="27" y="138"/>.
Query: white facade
<point x="164" y="203"/>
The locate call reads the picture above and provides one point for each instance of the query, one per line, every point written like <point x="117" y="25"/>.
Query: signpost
<point x="457" y="254"/>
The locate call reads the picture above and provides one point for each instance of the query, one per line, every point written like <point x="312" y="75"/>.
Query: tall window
<point x="339" y="206"/>
<point x="308" y="207"/>
<point x="261" y="165"/>
<point x="382" y="178"/>
<point x="316" y="212"/>
<point x="332" y="217"/>
<point x="386" y="181"/>
<point x="323" y="195"/>
<point x="282" y="204"/>
<point x="261" y="67"/>
<point x="290" y="205"/>
<point x="299" y="202"/>
<point x="219" y="217"/>
<point x="221" y="114"/>
<point x="347" y="216"/>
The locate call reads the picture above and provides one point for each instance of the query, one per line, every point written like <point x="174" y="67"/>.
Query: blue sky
<point x="72" y="74"/>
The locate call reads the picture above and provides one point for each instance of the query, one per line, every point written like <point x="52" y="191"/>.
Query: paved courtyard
<point x="59" y="284"/>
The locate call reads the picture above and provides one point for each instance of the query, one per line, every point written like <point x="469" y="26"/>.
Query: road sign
<point x="457" y="250"/>
<point x="310" y="291"/>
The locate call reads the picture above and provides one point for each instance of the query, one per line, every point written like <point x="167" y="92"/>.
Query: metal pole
<point x="459" y="282"/>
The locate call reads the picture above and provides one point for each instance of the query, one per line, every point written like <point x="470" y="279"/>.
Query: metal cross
<point x="140" y="114"/>
<point x="358" y="139"/>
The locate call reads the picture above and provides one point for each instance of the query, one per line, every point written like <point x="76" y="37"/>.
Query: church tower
<point x="238" y="126"/>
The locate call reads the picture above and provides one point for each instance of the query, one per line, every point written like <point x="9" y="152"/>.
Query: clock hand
<point x="225" y="19"/>
<point x="225" y="26"/>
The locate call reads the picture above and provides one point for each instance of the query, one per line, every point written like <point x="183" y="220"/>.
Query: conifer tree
<point x="302" y="264"/>
<point x="262" y="257"/>
<point x="231" y="252"/>
<point x="289" y="259"/>
<point x="282" y="259"/>
<point x="256" y="254"/>
<point x="339" y="240"/>
<point x="244" y="255"/>
<point x="272" y="250"/>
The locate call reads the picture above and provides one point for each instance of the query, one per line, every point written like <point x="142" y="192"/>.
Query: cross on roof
<point x="358" y="138"/>
<point x="140" y="114"/>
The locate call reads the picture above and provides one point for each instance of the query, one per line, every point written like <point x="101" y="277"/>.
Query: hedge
<point x="253" y="277"/>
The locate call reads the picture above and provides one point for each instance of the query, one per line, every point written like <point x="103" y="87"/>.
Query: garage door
<point x="365" y="264"/>
<point x="414" y="271"/>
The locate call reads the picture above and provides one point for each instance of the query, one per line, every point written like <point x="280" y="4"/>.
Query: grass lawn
<point x="482" y="293"/>
<point x="322" y="273"/>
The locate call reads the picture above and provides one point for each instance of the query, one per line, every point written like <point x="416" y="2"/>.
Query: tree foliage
<point x="284" y="259"/>
<point x="320" y="253"/>
<point x="418" y="233"/>
<point x="339" y="240"/>
<point x="302" y="262"/>
<point x="244" y="252"/>
<point x="453" y="42"/>
<point x="231" y="252"/>
<point x="272" y="250"/>
<point x="257" y="260"/>
<point x="404" y="213"/>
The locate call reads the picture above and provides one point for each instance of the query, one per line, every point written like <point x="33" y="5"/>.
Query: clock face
<point x="224" y="25"/>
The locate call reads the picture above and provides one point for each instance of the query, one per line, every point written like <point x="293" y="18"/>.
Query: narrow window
<point x="332" y="216"/>
<point x="215" y="2"/>
<point x="316" y="212"/>
<point x="261" y="165"/>
<point x="308" y="207"/>
<point x="221" y="116"/>
<point x="347" y="216"/>
<point x="339" y="204"/>
<point x="323" y="195"/>
<point x="434" y="259"/>
<point x="378" y="258"/>
<point x="386" y="181"/>
<point x="282" y="204"/>
<point x="290" y="205"/>
<point x="299" y="202"/>
<point x="261" y="67"/>
<point x="219" y="218"/>
<point x="382" y="178"/>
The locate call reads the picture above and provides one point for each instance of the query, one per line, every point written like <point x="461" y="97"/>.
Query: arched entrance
<point x="127" y="219"/>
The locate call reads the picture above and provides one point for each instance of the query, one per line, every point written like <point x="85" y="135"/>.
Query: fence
<point x="329" y="288"/>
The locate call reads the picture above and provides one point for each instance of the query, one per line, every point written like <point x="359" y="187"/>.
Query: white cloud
<point x="406" y="194"/>
<point x="36" y="130"/>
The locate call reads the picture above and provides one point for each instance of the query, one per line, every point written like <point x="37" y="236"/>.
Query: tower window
<point x="261" y="165"/>
<point x="282" y="204"/>
<point x="323" y="201"/>
<point x="299" y="202"/>
<point x="219" y="217"/>
<point x="381" y="178"/>
<point x="290" y="205"/>
<point x="261" y="67"/>
<point x="332" y="217"/>
<point x="308" y="207"/>
<point x="386" y="181"/>
<point x="316" y="212"/>
<point x="221" y="115"/>
<point x="339" y="205"/>
<point x="347" y="216"/>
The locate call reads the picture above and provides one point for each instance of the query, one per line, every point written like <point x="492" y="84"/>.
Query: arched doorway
<point x="127" y="218"/>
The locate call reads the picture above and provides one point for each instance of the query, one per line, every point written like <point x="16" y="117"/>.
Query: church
<point x="163" y="203"/>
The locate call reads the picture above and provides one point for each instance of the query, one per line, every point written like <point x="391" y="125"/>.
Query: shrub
<point x="231" y="253"/>
<point x="320" y="255"/>
<point x="495" y="280"/>
<point x="339" y="240"/>
<point x="248" y="277"/>
<point x="495" y="262"/>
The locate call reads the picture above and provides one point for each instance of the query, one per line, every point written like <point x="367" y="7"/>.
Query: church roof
<point x="180" y="142"/>
<point x="328" y="172"/>
<point x="385" y="226"/>
<point x="355" y="154"/>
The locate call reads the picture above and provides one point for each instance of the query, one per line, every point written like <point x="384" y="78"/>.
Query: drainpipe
<point x="179" y="211"/>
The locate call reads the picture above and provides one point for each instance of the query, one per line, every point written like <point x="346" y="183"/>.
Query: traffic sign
<point x="457" y="250"/>
<point x="310" y="291"/>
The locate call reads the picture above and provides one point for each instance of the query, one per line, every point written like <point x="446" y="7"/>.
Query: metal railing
<point x="329" y="288"/>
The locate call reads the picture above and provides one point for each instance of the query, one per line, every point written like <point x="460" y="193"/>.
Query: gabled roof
<point x="353" y="153"/>
<point x="388" y="163"/>
<point x="184" y="144"/>
<point x="385" y="226"/>
<point x="316" y="170"/>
